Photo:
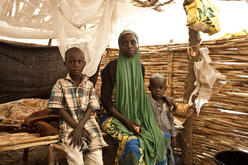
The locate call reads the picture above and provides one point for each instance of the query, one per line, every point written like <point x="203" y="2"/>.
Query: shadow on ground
<point x="37" y="156"/>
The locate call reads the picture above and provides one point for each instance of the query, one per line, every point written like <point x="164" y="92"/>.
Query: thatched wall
<point x="213" y="130"/>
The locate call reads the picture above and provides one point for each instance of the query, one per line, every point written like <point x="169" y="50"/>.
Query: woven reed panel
<point x="223" y="122"/>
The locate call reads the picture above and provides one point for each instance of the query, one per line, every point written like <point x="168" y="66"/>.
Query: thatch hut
<point x="220" y="125"/>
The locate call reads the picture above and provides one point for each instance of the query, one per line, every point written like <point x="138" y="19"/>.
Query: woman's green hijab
<point x="132" y="102"/>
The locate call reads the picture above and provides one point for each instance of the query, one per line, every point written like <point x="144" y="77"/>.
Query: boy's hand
<point x="134" y="127"/>
<point x="76" y="136"/>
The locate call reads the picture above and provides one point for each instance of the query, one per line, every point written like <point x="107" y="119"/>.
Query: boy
<point x="75" y="100"/>
<point x="161" y="107"/>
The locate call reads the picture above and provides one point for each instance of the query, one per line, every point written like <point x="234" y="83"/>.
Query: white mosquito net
<point x="87" y="24"/>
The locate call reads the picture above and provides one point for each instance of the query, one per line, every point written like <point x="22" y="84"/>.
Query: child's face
<point x="128" y="45"/>
<point x="157" y="88"/>
<point x="75" y="63"/>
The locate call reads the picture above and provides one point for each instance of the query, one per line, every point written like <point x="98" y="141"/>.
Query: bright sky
<point x="159" y="27"/>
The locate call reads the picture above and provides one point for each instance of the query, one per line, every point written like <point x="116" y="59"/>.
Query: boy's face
<point x="157" y="88"/>
<point x="128" y="45"/>
<point x="75" y="63"/>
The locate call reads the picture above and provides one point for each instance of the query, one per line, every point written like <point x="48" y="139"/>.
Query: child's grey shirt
<point x="163" y="116"/>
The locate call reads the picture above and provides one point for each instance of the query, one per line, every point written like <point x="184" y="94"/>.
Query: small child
<point x="161" y="107"/>
<point x="75" y="100"/>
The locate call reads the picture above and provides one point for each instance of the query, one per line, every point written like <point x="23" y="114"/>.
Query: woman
<point x="129" y="118"/>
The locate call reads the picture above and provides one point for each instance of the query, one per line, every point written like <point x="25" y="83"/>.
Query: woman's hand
<point x="76" y="136"/>
<point x="134" y="127"/>
<point x="131" y="125"/>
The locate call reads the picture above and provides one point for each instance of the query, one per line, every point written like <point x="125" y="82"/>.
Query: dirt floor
<point x="36" y="156"/>
<point x="40" y="155"/>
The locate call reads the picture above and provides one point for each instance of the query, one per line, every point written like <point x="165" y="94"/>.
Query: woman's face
<point x="128" y="45"/>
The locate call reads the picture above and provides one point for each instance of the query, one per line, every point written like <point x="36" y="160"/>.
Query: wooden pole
<point x="194" y="41"/>
<point x="25" y="156"/>
<point x="53" y="155"/>
<point x="50" y="42"/>
<point x="170" y="72"/>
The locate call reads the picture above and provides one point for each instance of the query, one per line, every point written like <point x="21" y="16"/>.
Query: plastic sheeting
<point x="87" y="24"/>
<point x="206" y="76"/>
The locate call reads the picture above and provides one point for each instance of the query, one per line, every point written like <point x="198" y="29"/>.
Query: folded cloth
<point x="44" y="115"/>
<point x="45" y="129"/>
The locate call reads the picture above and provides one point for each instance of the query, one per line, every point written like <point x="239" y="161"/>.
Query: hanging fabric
<point x="203" y="16"/>
<point x="87" y="24"/>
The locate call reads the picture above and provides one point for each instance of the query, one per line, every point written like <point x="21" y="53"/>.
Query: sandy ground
<point x="40" y="155"/>
<point x="36" y="156"/>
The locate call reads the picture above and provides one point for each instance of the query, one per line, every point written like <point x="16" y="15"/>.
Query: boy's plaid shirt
<point x="75" y="101"/>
